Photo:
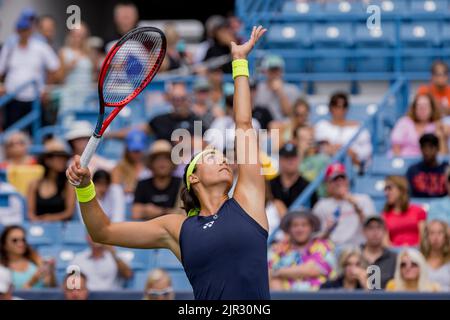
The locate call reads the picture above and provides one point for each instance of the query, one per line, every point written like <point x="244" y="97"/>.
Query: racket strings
<point x="131" y="65"/>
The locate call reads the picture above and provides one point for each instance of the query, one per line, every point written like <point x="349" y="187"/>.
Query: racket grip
<point x="89" y="151"/>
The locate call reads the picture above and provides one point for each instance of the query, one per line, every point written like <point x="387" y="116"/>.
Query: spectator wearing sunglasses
<point x="411" y="273"/>
<point x="427" y="178"/>
<point x="75" y="287"/>
<point x="404" y="221"/>
<point x="159" y="286"/>
<point x="28" y="269"/>
<point x="440" y="208"/>
<point x="352" y="271"/>
<point x="435" y="246"/>
<point x="342" y="213"/>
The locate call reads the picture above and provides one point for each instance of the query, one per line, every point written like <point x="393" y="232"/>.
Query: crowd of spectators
<point x="326" y="246"/>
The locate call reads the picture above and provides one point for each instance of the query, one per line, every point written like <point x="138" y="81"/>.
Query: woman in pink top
<point x="422" y="117"/>
<point x="404" y="221"/>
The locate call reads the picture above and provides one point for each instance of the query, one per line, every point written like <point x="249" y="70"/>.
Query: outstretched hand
<point x="241" y="51"/>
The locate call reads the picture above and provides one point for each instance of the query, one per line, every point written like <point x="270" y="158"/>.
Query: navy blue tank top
<point x="225" y="255"/>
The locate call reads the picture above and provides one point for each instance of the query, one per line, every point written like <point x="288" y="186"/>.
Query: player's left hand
<point x="241" y="51"/>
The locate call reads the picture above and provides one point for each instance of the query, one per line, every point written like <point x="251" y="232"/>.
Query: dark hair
<point x="429" y="139"/>
<point x="190" y="200"/>
<point x="335" y="98"/>
<point x="29" y="252"/>
<point x="313" y="221"/>
<point x="229" y="101"/>
<point x="61" y="179"/>
<point x="438" y="63"/>
<point x="101" y="175"/>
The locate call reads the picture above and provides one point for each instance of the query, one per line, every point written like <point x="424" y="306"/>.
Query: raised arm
<point x="250" y="187"/>
<point x="162" y="232"/>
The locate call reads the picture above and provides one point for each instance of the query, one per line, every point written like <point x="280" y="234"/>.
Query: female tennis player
<point x="222" y="242"/>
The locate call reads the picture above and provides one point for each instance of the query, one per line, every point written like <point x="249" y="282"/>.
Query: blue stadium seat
<point x="49" y="251"/>
<point x="420" y="33"/>
<point x="66" y="254"/>
<point x="382" y="165"/>
<point x="332" y="34"/>
<point x="303" y="8"/>
<point x="139" y="280"/>
<point x="370" y="185"/>
<point x="111" y="149"/>
<point x="391" y="6"/>
<point x="445" y="36"/>
<point x="379" y="38"/>
<point x="167" y="260"/>
<point x="74" y="233"/>
<point x="180" y="281"/>
<point x="343" y="7"/>
<point x="3" y="175"/>
<point x="423" y="202"/>
<point x="379" y="204"/>
<point x="38" y="234"/>
<point x="361" y="112"/>
<point x="138" y="259"/>
<point x="429" y="6"/>
<point x="288" y="35"/>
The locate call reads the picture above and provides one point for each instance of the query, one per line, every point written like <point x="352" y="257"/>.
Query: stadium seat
<point x="139" y="280"/>
<point x="66" y="254"/>
<point x="423" y="202"/>
<point x="445" y="36"/>
<point x="288" y="35"/>
<point x="343" y="7"/>
<point x="382" y="165"/>
<point x="429" y="6"/>
<point x="180" y="281"/>
<point x="38" y="234"/>
<point x="391" y="6"/>
<point x="361" y="112"/>
<point x="301" y="8"/>
<point x="420" y="34"/>
<point x="167" y="260"/>
<point x="3" y="175"/>
<point x="370" y="185"/>
<point x="138" y="259"/>
<point x="379" y="38"/>
<point x="332" y="34"/>
<point x="74" y="233"/>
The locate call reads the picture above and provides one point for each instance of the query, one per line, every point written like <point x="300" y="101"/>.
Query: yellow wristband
<point x="86" y="194"/>
<point x="240" y="68"/>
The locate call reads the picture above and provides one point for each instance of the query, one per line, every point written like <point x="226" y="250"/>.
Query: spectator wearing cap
<point x="339" y="131"/>
<point x="274" y="94"/>
<point x="78" y="137"/>
<point x="440" y="208"/>
<point x="75" y="287"/>
<point x="202" y="105"/>
<point x="132" y="167"/>
<point x="52" y="198"/>
<point x="221" y="134"/>
<point x="159" y="194"/>
<point x="289" y="184"/>
<point x="162" y="126"/>
<point x="422" y="117"/>
<point x="438" y="87"/>
<point x="21" y="62"/>
<point x="301" y="262"/>
<point x="352" y="274"/>
<point x="111" y="197"/>
<point x="261" y="114"/>
<point x="159" y="286"/>
<point x="222" y="36"/>
<point x="374" y="251"/>
<point x="342" y="213"/>
<point x="427" y="178"/>
<point x="404" y="221"/>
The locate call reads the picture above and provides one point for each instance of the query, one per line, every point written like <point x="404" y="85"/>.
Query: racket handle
<point x="89" y="151"/>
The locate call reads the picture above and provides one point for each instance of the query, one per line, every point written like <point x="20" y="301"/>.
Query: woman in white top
<point x="338" y="131"/>
<point x="77" y="69"/>
<point x="435" y="246"/>
<point x="110" y="196"/>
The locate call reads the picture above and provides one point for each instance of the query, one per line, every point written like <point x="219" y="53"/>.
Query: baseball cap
<point x="5" y="280"/>
<point x="23" y="23"/>
<point x="202" y="84"/>
<point x="272" y="62"/>
<point x="288" y="150"/>
<point x="79" y="129"/>
<point x="159" y="147"/>
<point x="334" y="170"/>
<point x="28" y="13"/>
<point x="136" y="140"/>
<point x="373" y="218"/>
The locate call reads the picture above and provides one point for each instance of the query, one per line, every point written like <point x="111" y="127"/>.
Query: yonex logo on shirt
<point x="208" y="225"/>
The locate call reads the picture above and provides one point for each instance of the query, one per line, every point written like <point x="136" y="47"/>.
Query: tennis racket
<point x="128" y="68"/>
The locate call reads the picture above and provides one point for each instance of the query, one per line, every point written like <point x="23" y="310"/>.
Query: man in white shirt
<point x="6" y="285"/>
<point x="102" y="267"/>
<point x="21" y="62"/>
<point x="11" y="213"/>
<point x="341" y="213"/>
<point x="274" y="94"/>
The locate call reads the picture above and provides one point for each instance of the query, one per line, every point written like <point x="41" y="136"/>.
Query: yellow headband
<point x="192" y="165"/>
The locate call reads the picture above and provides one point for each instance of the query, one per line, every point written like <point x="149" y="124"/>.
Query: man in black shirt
<point x="289" y="184"/>
<point x="159" y="194"/>
<point x="427" y="178"/>
<point x="375" y="253"/>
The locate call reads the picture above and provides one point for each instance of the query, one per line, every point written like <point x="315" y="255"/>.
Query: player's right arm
<point x="162" y="232"/>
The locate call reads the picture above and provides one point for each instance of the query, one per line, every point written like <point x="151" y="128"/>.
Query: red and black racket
<point x="128" y="68"/>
